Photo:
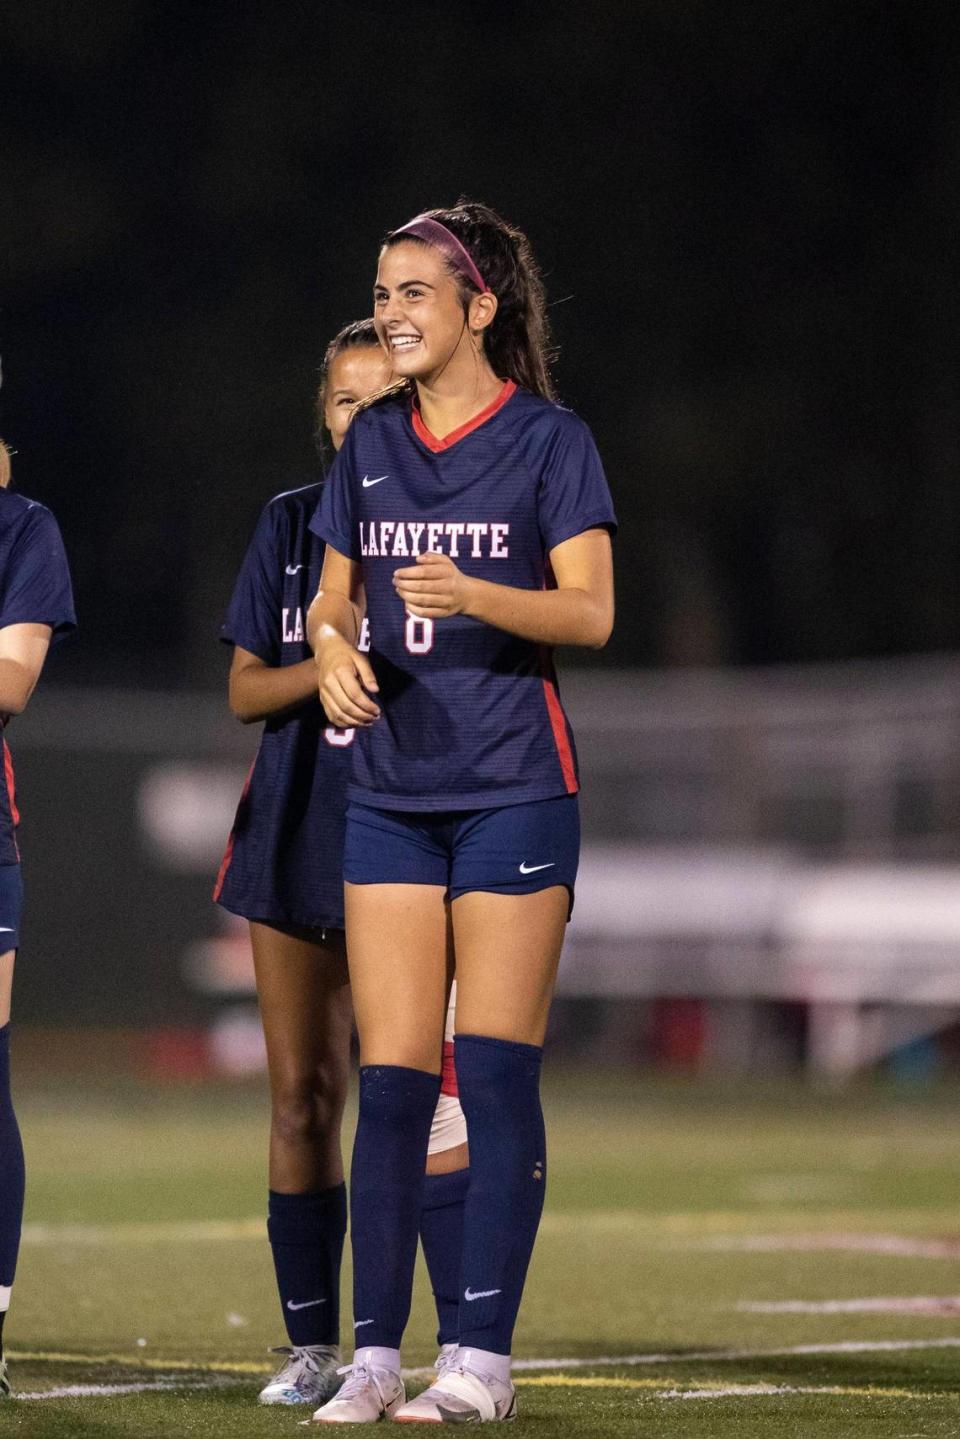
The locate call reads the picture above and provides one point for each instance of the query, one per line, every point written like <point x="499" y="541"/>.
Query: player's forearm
<point x="332" y="614"/>
<point x="547" y="617"/>
<point x="17" y="683"/>
<point x="259" y="691"/>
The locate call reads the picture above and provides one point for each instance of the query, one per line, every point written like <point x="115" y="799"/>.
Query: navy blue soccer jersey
<point x="34" y="589"/>
<point x="470" y="715"/>
<point x="284" y="858"/>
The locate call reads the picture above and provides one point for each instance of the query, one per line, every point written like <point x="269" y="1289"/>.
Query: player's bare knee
<point x="330" y="1082"/>
<point x="304" y="1109"/>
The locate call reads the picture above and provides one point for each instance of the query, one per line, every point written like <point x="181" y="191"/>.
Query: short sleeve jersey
<point x="34" y="589"/>
<point x="277" y="581"/>
<point x="471" y="715"/>
<point x="284" y="859"/>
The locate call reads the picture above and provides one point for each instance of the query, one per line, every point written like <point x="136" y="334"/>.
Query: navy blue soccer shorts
<point x="513" y="849"/>
<point x="11" y="905"/>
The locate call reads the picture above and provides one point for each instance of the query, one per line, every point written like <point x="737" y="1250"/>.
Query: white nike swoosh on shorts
<point x="532" y="868"/>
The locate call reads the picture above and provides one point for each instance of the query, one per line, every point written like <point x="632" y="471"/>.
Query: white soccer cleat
<point x="461" y="1397"/>
<point x="367" y="1395"/>
<point x="4" y="1380"/>
<point x="307" y="1376"/>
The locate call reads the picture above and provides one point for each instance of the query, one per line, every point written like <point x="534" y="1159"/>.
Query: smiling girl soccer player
<point x="283" y="872"/>
<point x="472" y="514"/>
<point x="36" y="606"/>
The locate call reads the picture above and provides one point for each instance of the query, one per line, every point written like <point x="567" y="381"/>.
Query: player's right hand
<point x="344" y="677"/>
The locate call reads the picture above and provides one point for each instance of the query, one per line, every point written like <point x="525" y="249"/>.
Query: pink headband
<point x="432" y="232"/>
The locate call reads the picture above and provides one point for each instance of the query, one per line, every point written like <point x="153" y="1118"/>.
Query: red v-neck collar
<point x="437" y="446"/>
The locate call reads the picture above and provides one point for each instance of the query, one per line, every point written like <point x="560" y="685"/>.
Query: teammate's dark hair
<point x="518" y="341"/>
<point x="4" y="466"/>
<point x="359" y="334"/>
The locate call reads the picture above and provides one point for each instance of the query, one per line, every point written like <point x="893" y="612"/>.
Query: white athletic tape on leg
<point x="449" y="1127"/>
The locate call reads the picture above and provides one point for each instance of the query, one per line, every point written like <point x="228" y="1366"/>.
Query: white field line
<point x="848" y="1346"/>
<point x="521" y="1366"/>
<point x="904" y="1304"/>
<point x="659" y="1388"/>
<point x="171" y="1383"/>
<point x="683" y="1231"/>
<point x="206" y="1231"/>
<point x="213" y="1231"/>
<point x="761" y="1391"/>
<point x="146" y="1386"/>
<point x="738" y="1391"/>
<point x="166" y="1368"/>
<point x="900" y="1246"/>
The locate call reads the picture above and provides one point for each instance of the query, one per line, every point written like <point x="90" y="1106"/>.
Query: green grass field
<point x="670" y="1208"/>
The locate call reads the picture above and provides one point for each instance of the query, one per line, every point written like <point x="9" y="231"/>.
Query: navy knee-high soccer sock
<point x="306" y="1236"/>
<point x="11" y="1179"/>
<point x="441" y="1234"/>
<point x="499" y="1084"/>
<point x="386" y="1186"/>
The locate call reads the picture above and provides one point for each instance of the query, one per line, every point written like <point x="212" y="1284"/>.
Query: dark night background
<point x="747" y="216"/>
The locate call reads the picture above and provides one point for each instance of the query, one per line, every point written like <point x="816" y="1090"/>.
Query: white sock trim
<point x="4" y="1298"/>
<point x="375" y="1356"/>
<point x="484" y="1361"/>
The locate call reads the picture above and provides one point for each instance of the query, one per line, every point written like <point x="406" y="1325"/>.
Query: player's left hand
<point x="433" y="588"/>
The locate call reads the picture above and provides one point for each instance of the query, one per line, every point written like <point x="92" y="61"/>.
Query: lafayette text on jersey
<point x="34" y="589"/>
<point x="284" y="858"/>
<point x="470" y="715"/>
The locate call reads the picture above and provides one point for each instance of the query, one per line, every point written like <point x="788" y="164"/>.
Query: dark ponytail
<point x="517" y="343"/>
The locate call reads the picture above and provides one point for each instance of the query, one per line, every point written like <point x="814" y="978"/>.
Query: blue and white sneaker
<point x="308" y="1375"/>
<point x="461" y="1396"/>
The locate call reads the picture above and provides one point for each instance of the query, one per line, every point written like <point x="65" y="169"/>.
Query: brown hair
<point x="517" y="342"/>
<point x="4" y="466"/>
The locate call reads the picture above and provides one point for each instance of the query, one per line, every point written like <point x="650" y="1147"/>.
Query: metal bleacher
<point x="778" y="835"/>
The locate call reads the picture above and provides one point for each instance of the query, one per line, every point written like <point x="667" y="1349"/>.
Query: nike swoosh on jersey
<point x="307" y="1304"/>
<point x="294" y="569"/>
<point x="479" y="1294"/>
<point x="367" y="482"/>
<point x="532" y="868"/>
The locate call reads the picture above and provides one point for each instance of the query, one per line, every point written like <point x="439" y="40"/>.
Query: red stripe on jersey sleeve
<point x="448" y="1074"/>
<point x="228" y="852"/>
<point x="558" y="723"/>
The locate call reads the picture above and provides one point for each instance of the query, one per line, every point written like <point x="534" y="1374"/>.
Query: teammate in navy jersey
<point x="283" y="871"/>
<point x="36" y="607"/>
<point x="471" y="516"/>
